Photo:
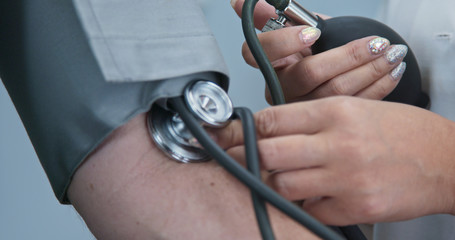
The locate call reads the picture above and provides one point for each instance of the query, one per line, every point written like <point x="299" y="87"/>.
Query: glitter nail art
<point x="310" y="35"/>
<point x="396" y="53"/>
<point x="378" y="45"/>
<point x="398" y="71"/>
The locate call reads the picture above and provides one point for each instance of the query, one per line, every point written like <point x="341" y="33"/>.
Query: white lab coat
<point x="429" y="28"/>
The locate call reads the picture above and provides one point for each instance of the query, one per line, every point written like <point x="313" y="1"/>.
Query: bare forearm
<point x="128" y="189"/>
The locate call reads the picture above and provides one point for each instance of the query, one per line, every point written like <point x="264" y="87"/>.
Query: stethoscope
<point x="178" y="127"/>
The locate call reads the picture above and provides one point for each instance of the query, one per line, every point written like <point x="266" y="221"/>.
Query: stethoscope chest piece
<point x="209" y="103"/>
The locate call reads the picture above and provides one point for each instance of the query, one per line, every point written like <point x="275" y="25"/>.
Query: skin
<point x="351" y="160"/>
<point x="127" y="189"/>
<point x="351" y="69"/>
<point x="354" y="160"/>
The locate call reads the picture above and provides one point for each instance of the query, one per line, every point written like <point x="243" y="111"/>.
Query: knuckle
<point x="354" y="53"/>
<point x="371" y="205"/>
<point x="371" y="208"/>
<point x="266" y="123"/>
<point x="350" y="104"/>
<point x="375" y="70"/>
<point x="309" y="72"/>
<point x="381" y="91"/>
<point x="339" y="87"/>
<point x="344" y="107"/>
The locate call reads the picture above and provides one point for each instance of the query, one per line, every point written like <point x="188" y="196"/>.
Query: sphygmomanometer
<point x="178" y="126"/>
<point x="57" y="94"/>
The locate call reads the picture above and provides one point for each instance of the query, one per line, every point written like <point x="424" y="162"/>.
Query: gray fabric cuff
<point x="161" y="39"/>
<point x="59" y="86"/>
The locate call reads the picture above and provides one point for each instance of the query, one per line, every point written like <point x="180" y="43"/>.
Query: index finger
<point x="290" y="119"/>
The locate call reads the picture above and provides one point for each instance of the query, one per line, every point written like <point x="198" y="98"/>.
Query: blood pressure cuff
<point x="77" y="70"/>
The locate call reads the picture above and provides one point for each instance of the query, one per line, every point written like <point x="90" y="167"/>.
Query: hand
<point x="367" y="68"/>
<point x="353" y="160"/>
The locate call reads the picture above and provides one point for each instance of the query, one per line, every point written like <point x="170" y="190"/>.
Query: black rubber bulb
<point x="338" y="31"/>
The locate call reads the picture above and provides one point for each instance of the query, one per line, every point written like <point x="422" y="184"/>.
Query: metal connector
<point x="275" y="23"/>
<point x="299" y="15"/>
<point x="294" y="13"/>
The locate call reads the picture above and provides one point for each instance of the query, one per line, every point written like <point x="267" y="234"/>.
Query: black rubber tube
<point x="258" y="52"/>
<point x="247" y="178"/>
<point x="253" y="165"/>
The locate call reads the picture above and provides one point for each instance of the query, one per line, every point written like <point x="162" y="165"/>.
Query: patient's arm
<point x="127" y="189"/>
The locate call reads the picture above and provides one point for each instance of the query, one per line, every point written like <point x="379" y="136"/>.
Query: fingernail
<point x="398" y="71"/>
<point x="233" y="2"/>
<point x="378" y="45"/>
<point x="396" y="53"/>
<point x="310" y="35"/>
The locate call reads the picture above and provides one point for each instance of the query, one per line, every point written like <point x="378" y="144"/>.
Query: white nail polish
<point x="310" y="35"/>
<point x="398" y="71"/>
<point x="396" y="53"/>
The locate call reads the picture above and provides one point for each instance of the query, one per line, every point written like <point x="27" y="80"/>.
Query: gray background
<point x="28" y="208"/>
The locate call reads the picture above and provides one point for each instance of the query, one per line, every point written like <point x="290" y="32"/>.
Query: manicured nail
<point x="233" y="2"/>
<point x="378" y="45"/>
<point x="310" y="35"/>
<point x="398" y="71"/>
<point x="396" y="53"/>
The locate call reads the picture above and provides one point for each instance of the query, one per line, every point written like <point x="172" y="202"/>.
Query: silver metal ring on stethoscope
<point x="209" y="103"/>
<point x="211" y="106"/>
